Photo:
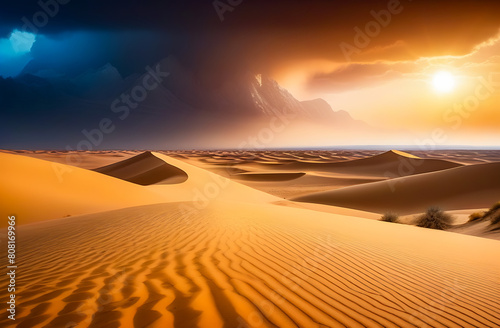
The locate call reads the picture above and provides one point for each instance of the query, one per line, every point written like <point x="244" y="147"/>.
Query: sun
<point x="443" y="82"/>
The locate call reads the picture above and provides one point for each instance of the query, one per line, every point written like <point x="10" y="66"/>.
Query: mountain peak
<point x="258" y="77"/>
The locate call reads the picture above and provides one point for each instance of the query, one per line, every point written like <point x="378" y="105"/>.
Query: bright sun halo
<point x="443" y="82"/>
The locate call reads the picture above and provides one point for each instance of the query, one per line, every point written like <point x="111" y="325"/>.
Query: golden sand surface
<point x="197" y="239"/>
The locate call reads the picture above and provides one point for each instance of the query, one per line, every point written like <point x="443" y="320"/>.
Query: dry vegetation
<point x="389" y="217"/>
<point x="435" y="218"/>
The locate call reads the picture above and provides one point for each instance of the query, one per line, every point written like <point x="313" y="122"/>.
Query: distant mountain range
<point x="182" y="106"/>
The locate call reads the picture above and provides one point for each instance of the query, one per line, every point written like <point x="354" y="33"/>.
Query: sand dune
<point x="210" y="252"/>
<point x="463" y="156"/>
<point x="389" y="164"/>
<point x="145" y="169"/>
<point x="323" y="170"/>
<point x="468" y="187"/>
<point x="237" y="265"/>
<point x="268" y="176"/>
<point x="288" y="184"/>
<point x="203" y="186"/>
<point x="86" y="160"/>
<point x="35" y="190"/>
<point x="55" y="190"/>
<point x="487" y="225"/>
<point x="481" y="229"/>
<point x="306" y="184"/>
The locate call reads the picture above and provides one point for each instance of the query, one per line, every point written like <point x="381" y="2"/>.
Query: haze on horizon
<point x="415" y="72"/>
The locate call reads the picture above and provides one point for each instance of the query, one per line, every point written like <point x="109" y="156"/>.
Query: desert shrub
<point x="493" y="209"/>
<point x="476" y="216"/>
<point x="495" y="217"/>
<point x="435" y="218"/>
<point x="389" y="217"/>
<point x="493" y="213"/>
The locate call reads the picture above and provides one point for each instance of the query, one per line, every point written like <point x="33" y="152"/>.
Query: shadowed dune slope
<point x="487" y="226"/>
<point x="35" y="190"/>
<point x="389" y="164"/>
<point x="144" y="169"/>
<point x="482" y="228"/>
<point x="468" y="187"/>
<point x="250" y="265"/>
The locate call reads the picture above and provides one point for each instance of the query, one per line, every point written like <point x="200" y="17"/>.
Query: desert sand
<point x="38" y="190"/>
<point x="474" y="186"/>
<point x="213" y="239"/>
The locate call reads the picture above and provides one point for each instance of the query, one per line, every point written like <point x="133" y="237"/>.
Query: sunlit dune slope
<point x="250" y="265"/>
<point x="473" y="186"/>
<point x="389" y="164"/>
<point x="85" y="160"/>
<point x="267" y="176"/>
<point x="203" y="186"/>
<point x="35" y="190"/>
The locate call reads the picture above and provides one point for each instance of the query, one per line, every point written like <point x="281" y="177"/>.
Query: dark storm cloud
<point x="255" y="36"/>
<point x="76" y="14"/>
<point x="75" y="52"/>
<point x="263" y="34"/>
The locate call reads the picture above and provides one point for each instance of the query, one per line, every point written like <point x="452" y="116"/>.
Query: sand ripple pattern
<point x="238" y="265"/>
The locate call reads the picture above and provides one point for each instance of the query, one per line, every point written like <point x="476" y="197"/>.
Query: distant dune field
<point x="167" y="239"/>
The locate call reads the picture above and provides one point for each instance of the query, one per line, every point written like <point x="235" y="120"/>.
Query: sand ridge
<point x="36" y="190"/>
<point x="203" y="186"/>
<point x="324" y="170"/>
<point x="388" y="164"/>
<point x="56" y="190"/>
<point x="468" y="187"/>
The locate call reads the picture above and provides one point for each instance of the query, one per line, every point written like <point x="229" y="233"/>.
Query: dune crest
<point x="401" y="153"/>
<point x="57" y="190"/>
<point x="389" y="164"/>
<point x="144" y="169"/>
<point x="36" y="190"/>
<point x="204" y="187"/>
<point x="467" y="187"/>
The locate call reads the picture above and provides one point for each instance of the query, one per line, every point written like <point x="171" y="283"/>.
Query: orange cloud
<point x="481" y="59"/>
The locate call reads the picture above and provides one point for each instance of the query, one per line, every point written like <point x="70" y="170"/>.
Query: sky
<point x="429" y="69"/>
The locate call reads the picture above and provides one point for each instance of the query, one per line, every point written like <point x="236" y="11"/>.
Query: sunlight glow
<point x="443" y="82"/>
